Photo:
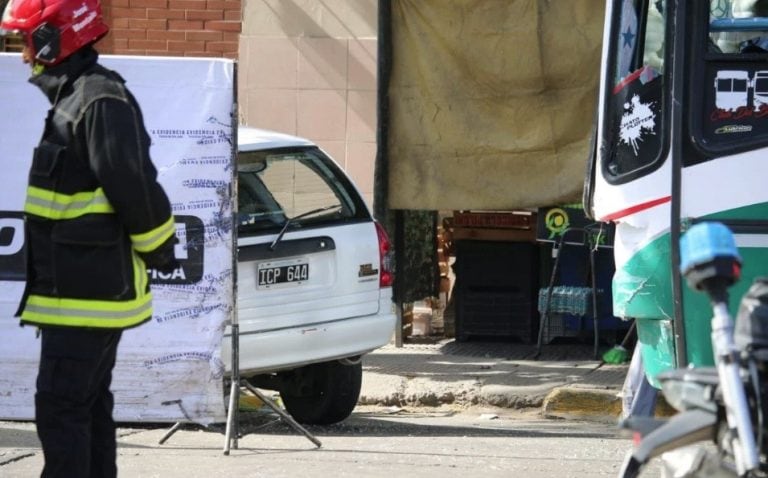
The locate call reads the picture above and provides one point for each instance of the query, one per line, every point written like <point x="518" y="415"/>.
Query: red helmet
<point x="54" y="29"/>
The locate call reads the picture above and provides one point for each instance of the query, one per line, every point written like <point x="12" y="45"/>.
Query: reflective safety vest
<point x="94" y="207"/>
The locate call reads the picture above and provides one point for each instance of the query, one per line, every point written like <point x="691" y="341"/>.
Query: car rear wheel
<point x="323" y="393"/>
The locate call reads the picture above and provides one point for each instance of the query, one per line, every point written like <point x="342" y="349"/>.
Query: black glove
<point x="162" y="259"/>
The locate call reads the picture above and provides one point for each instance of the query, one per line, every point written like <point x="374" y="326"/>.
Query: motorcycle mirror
<point x="710" y="260"/>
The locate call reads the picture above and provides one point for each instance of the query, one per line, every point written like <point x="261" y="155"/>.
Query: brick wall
<point x="11" y="44"/>
<point x="208" y="28"/>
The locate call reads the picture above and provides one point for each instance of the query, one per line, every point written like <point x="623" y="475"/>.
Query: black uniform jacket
<point x="96" y="216"/>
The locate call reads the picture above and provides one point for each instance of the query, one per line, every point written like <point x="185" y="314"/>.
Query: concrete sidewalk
<point x="564" y="381"/>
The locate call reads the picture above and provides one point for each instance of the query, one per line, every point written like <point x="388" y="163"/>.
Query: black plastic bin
<point x="496" y="290"/>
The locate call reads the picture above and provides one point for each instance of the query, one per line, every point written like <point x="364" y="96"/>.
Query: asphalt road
<point x="374" y="442"/>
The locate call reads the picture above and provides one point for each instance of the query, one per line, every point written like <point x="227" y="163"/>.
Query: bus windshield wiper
<point x="290" y="221"/>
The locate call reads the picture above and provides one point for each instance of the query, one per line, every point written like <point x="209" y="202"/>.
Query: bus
<point x="732" y="90"/>
<point x="760" y="89"/>
<point x="671" y="150"/>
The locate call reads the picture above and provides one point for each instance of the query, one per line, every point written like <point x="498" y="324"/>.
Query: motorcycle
<point x="720" y="430"/>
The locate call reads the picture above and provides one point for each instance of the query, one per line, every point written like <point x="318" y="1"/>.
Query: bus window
<point x="738" y="26"/>
<point x="645" y="56"/>
<point x="633" y="139"/>
<point x="730" y="107"/>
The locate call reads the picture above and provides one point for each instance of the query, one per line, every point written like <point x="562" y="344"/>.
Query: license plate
<point x="272" y="274"/>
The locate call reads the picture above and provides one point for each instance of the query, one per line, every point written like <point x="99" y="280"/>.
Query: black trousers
<point x="73" y="403"/>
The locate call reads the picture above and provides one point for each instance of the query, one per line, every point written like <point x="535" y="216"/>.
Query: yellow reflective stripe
<point x="54" y="205"/>
<point x="87" y="313"/>
<point x="140" y="278"/>
<point x="151" y="240"/>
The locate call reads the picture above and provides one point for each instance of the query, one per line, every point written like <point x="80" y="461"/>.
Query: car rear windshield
<point x="302" y="186"/>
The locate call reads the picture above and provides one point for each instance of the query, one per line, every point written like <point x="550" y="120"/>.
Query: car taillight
<point x="385" y="257"/>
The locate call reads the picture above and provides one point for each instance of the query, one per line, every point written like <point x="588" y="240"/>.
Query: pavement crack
<point x="16" y="458"/>
<point x="127" y="433"/>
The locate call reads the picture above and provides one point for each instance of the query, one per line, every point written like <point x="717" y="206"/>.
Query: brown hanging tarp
<point x="491" y="102"/>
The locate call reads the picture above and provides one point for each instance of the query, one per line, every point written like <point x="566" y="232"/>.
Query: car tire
<point x="323" y="393"/>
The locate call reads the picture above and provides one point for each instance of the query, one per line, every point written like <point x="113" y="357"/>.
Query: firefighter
<point x="96" y="219"/>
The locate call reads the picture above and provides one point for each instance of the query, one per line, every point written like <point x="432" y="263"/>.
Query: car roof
<point x="256" y="139"/>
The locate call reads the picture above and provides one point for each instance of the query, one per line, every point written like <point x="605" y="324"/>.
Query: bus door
<point x="681" y="136"/>
<point x="631" y="175"/>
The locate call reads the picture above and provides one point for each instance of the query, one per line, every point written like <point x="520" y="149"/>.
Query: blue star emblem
<point x="629" y="37"/>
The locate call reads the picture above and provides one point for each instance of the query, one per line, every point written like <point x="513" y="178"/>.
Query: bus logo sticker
<point x="732" y="89"/>
<point x="638" y="120"/>
<point x="740" y="95"/>
<point x="734" y="128"/>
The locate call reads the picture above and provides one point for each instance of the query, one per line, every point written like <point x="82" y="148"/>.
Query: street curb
<point x="592" y="404"/>
<point x="584" y="403"/>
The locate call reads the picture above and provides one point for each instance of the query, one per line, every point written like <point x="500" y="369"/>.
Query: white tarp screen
<point x="170" y="368"/>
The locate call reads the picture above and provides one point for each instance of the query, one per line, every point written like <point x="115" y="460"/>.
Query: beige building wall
<point x="308" y="67"/>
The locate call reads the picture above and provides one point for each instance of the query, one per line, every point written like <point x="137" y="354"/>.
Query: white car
<point x="314" y="285"/>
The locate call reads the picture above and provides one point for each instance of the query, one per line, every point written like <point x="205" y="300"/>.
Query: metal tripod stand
<point x="231" y="432"/>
